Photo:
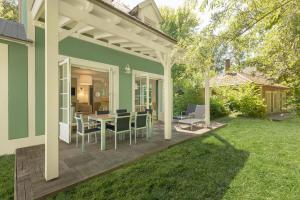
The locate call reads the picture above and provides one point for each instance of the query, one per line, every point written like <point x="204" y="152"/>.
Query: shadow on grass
<point x="202" y="168"/>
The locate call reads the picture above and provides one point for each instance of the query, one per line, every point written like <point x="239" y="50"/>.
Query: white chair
<point x="82" y="131"/>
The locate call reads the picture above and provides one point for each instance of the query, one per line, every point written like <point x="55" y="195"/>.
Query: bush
<point x="245" y="99"/>
<point x="218" y="108"/>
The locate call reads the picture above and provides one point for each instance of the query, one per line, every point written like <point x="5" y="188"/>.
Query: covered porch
<point x="98" y="23"/>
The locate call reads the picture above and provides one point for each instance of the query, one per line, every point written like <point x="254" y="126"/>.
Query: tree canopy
<point x="9" y="10"/>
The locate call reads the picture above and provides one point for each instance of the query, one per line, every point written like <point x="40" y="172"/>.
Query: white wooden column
<point x="167" y="102"/>
<point x="147" y="92"/>
<point x="207" y="99"/>
<point x="51" y="89"/>
<point x="167" y="62"/>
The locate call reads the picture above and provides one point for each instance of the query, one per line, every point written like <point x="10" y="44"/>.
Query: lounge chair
<point x="197" y="117"/>
<point x="188" y="113"/>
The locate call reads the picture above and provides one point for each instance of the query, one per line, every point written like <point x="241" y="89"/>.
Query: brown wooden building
<point x="273" y="94"/>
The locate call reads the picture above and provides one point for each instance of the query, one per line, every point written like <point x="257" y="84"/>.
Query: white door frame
<point x="97" y="66"/>
<point x="148" y="76"/>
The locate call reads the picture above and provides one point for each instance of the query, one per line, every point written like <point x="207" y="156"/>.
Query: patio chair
<point x="191" y="108"/>
<point x="197" y="117"/>
<point x="140" y="123"/>
<point x="82" y="131"/>
<point x="122" y="125"/>
<point x="121" y="111"/>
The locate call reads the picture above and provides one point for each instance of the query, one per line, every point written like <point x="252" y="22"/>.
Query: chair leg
<point x="82" y="143"/>
<point x="135" y="136"/>
<point x="76" y="139"/>
<point x="88" y="138"/>
<point x="95" y="138"/>
<point x="115" y="140"/>
<point x="130" y="137"/>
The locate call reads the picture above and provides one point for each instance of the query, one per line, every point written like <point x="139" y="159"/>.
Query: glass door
<point x="64" y="101"/>
<point x="140" y="94"/>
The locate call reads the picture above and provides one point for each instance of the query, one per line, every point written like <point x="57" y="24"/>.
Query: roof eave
<point x="17" y="40"/>
<point x="133" y="19"/>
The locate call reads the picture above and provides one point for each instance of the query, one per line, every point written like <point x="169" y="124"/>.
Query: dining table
<point x="103" y="119"/>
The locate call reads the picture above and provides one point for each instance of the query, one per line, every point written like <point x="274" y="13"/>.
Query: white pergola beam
<point x="102" y="35"/>
<point x="64" y="21"/>
<point x="101" y="24"/>
<point x="141" y="49"/>
<point x="37" y="9"/>
<point x="130" y="45"/>
<point x="51" y="90"/>
<point x="66" y="33"/>
<point x="117" y="41"/>
<point x="85" y="29"/>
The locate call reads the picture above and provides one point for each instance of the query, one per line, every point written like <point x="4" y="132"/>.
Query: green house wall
<point x="88" y="51"/>
<point x="17" y="90"/>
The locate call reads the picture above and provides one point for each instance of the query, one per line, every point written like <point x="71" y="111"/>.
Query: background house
<point x="273" y="94"/>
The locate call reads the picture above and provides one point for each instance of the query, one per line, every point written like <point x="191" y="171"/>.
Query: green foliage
<point x="9" y="10"/>
<point x="7" y="177"/>
<point x="189" y="96"/>
<point x="263" y="34"/>
<point x="180" y="23"/>
<point x="245" y="99"/>
<point x="217" y="107"/>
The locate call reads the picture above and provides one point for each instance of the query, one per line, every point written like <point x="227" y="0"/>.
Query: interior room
<point x="89" y="90"/>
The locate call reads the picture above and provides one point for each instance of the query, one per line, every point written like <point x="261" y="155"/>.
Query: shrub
<point x="245" y="99"/>
<point x="217" y="107"/>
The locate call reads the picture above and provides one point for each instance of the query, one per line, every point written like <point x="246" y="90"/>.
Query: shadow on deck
<point x="76" y="167"/>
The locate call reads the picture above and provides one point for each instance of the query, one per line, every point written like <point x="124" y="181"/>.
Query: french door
<point x="65" y="101"/>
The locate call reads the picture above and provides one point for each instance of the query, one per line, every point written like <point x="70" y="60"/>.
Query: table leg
<point x="103" y="127"/>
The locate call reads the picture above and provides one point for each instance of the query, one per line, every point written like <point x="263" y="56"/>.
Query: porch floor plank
<point x="76" y="167"/>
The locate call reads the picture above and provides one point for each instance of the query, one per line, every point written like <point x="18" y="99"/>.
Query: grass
<point x="7" y="177"/>
<point x="248" y="159"/>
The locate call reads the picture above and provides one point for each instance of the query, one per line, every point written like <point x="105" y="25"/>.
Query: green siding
<point x="89" y="51"/>
<point x="23" y="14"/>
<point x="40" y="82"/>
<point x="17" y="90"/>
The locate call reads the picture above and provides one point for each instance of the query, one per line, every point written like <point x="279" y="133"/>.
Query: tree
<point x="9" y="10"/>
<point x="261" y="33"/>
<point x="180" y="23"/>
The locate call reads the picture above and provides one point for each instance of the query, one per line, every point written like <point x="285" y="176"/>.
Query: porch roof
<point x="99" y="21"/>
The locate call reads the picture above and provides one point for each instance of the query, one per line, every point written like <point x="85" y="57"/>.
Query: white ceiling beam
<point x="101" y="24"/>
<point x="140" y="49"/>
<point x="64" y="21"/>
<point x="37" y="9"/>
<point x="85" y="29"/>
<point x="102" y="35"/>
<point x="117" y="41"/>
<point x="130" y="45"/>
<point x="66" y="33"/>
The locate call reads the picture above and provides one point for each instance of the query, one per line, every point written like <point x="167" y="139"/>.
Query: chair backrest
<point x="190" y="109"/>
<point x="121" y="111"/>
<point x="149" y="110"/>
<point x="79" y="123"/>
<point x="123" y="122"/>
<point x="102" y="112"/>
<point x="200" y="112"/>
<point x="141" y="119"/>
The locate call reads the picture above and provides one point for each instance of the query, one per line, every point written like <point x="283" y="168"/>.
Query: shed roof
<point x="13" y="31"/>
<point x="240" y="78"/>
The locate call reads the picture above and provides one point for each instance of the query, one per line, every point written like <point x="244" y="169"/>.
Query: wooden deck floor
<point x="76" y="167"/>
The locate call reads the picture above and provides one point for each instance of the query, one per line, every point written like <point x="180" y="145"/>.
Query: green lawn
<point x="7" y="177"/>
<point x="248" y="159"/>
